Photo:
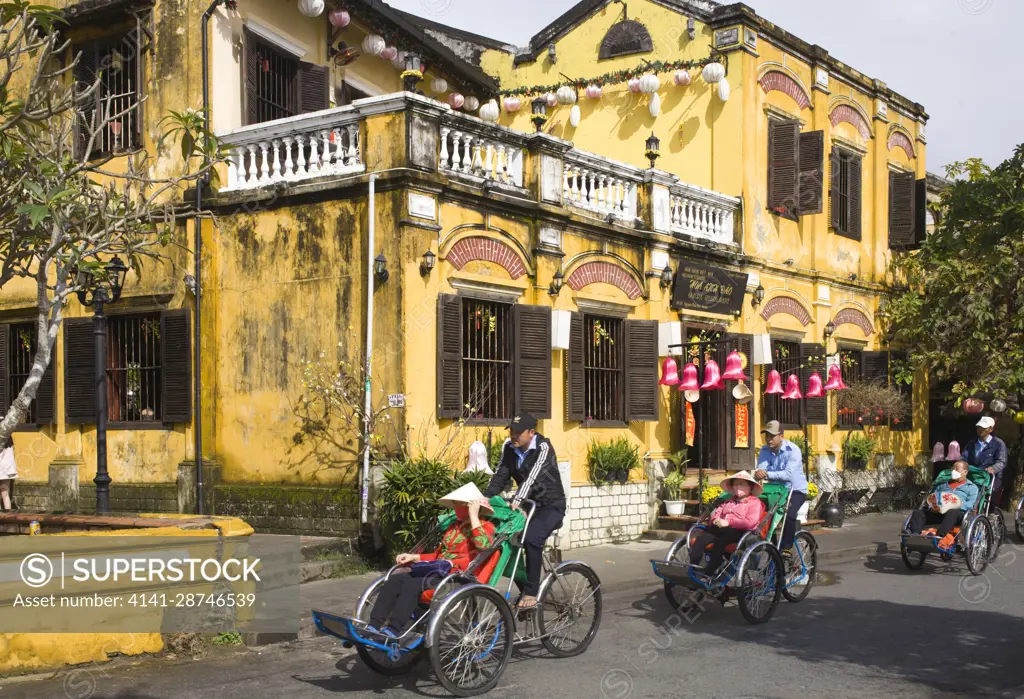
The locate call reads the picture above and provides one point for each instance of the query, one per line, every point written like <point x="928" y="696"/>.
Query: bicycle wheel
<point x="998" y="533"/>
<point x="679" y="597"/>
<point x="569" y="609"/>
<point x="977" y="542"/>
<point x="805" y="564"/>
<point x="913" y="559"/>
<point x="760" y="576"/>
<point x="471" y="640"/>
<point x="377" y="660"/>
<point x="1018" y="522"/>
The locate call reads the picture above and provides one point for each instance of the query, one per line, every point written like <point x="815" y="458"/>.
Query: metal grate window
<point x="850" y="367"/>
<point x="21" y="352"/>
<point x="487" y="359"/>
<point x="604" y="388"/>
<point x="275" y="83"/>
<point x="786" y="361"/>
<point x="134" y="386"/>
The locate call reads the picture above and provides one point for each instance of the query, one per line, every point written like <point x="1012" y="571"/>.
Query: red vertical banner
<point x="742" y="426"/>
<point x="691" y="425"/>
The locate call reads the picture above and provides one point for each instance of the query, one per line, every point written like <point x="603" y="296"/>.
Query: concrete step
<point x="680" y="523"/>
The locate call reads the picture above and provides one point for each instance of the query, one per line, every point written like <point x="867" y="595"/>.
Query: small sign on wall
<point x="396" y="400"/>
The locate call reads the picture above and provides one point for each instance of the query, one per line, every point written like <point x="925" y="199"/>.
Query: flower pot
<point x="674" y="508"/>
<point x="855" y="464"/>
<point x="622" y="477"/>
<point x="833" y="513"/>
<point x="801" y="515"/>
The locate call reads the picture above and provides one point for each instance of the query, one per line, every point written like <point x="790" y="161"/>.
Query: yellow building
<point x="548" y="269"/>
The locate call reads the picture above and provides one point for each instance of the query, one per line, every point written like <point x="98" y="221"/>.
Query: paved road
<point x="874" y="630"/>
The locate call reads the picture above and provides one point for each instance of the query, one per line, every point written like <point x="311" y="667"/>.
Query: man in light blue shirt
<point x="781" y="461"/>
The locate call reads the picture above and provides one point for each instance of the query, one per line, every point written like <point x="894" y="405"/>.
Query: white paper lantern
<point x="593" y="92"/>
<point x="398" y="60"/>
<point x="713" y="72"/>
<point x="551" y="98"/>
<point x="389" y="53"/>
<point x="472" y="104"/>
<point x="654" y="106"/>
<point x="311" y="8"/>
<point x="649" y="84"/>
<point x="513" y="103"/>
<point x="723" y="90"/>
<point x="575" y="116"/>
<point x="634" y="85"/>
<point x="456" y="100"/>
<point x="682" y="78"/>
<point x="439" y="85"/>
<point x="489" y="112"/>
<point x="339" y="18"/>
<point x="373" y="44"/>
<point x="566" y="95"/>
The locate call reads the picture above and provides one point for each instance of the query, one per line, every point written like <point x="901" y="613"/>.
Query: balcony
<point x="414" y="132"/>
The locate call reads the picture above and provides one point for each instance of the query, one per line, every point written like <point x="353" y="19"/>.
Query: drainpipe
<point x="367" y="406"/>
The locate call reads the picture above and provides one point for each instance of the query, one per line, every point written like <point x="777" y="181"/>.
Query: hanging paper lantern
<point x="311" y="8"/>
<point x="373" y="44"/>
<point x="953" y="451"/>
<point x="654" y="106"/>
<point x="575" y="116"/>
<point x="682" y="78"/>
<point x="997" y="406"/>
<point x="512" y="104"/>
<point x="1019" y="418"/>
<point x="669" y="372"/>
<point x="723" y="89"/>
<point x="649" y="84"/>
<point x="938" y="452"/>
<point x="634" y="85"/>
<point x="389" y="53"/>
<point x="472" y="104"/>
<point x="456" y="100"/>
<point x="398" y="60"/>
<point x="973" y="406"/>
<point x="689" y="382"/>
<point x="439" y="85"/>
<point x="593" y="92"/>
<point x="489" y="112"/>
<point x="566" y="95"/>
<point x="713" y="72"/>
<point x="551" y="99"/>
<point x="792" y="388"/>
<point x="339" y="18"/>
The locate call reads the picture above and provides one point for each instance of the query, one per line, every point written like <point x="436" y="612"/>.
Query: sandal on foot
<point x="526" y="603"/>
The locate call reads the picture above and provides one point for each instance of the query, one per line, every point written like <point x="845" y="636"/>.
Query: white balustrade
<point x="473" y="154"/>
<point x="600" y="190"/>
<point x="703" y="214"/>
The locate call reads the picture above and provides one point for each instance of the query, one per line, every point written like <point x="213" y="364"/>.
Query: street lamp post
<point x="97" y="293"/>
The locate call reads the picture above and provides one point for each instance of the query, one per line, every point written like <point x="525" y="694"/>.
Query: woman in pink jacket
<point x="730" y="520"/>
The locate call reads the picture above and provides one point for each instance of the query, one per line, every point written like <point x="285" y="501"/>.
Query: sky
<point x="962" y="59"/>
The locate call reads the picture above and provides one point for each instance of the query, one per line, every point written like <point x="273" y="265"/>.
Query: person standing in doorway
<point x="529" y="459"/>
<point x="8" y="472"/>
<point x="988" y="452"/>
<point x="781" y="461"/>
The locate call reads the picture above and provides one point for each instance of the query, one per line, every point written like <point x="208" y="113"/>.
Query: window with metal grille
<point x="134" y="385"/>
<point x="116" y="66"/>
<point x="487" y="352"/>
<point x="21" y="345"/>
<point x="273" y="88"/>
<point x="604" y="388"/>
<point x="850" y="366"/>
<point x="786" y="361"/>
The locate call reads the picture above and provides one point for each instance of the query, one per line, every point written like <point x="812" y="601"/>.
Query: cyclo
<point x="978" y="537"/>
<point x="753" y="570"/>
<point x="467" y="626"/>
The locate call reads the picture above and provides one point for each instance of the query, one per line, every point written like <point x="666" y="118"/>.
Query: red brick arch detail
<point x="845" y="112"/>
<point x="488" y="250"/>
<point x="898" y="139"/>
<point x="779" y="81"/>
<point x="851" y="316"/>
<point x="789" y="306"/>
<point x="594" y="272"/>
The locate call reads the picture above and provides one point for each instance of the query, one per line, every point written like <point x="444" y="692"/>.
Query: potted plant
<point x="612" y="462"/>
<point x="858" y="450"/>
<point x="673" y="490"/>
<point x="812" y="494"/>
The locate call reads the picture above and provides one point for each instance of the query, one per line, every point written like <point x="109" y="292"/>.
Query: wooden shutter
<point x="920" y="212"/>
<point x="449" y="356"/>
<point x="46" y="404"/>
<point x="907" y="424"/>
<point x="5" y="372"/>
<point x="812" y="166"/>
<point x="874" y="367"/>
<point x="85" y="74"/>
<point x="740" y="458"/>
<point x="834" y="191"/>
<point x="901" y="210"/>
<point x="314" y="84"/>
<point x="575" y="398"/>
<point x="176" y="366"/>
<point x="642" y="394"/>
<point x="533" y="360"/>
<point x="812" y="359"/>
<point x="783" y="166"/>
<point x="79" y="372"/>
<point x="855" y="198"/>
<point x="252" y="72"/>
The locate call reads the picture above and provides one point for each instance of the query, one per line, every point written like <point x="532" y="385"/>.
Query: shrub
<point x="858" y="448"/>
<point x="610" y="459"/>
<point x="812" y="491"/>
<point x="710" y="494"/>
<point x="407" y="502"/>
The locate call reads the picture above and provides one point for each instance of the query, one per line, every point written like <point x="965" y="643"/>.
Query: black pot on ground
<point x="856" y="464"/>
<point x="833" y="513"/>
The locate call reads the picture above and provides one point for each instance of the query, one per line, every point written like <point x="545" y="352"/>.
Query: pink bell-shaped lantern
<point x="734" y="367"/>
<point x="792" y="388"/>
<point x="689" y="382"/>
<point x="774" y="383"/>
<point x="814" y="387"/>
<point x="835" y="379"/>
<point x="953" y="452"/>
<point x="669" y="372"/>
<point x="712" y="377"/>
<point x="938" y="453"/>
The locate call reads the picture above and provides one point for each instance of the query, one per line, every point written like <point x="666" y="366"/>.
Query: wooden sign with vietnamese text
<point x="742" y="426"/>
<point x="691" y="425"/>
<point x="699" y="287"/>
